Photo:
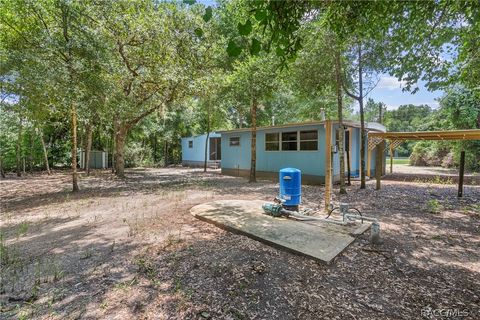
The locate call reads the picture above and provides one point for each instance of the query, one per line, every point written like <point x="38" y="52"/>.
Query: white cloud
<point x="392" y="107"/>
<point x="432" y="104"/>
<point x="390" y="83"/>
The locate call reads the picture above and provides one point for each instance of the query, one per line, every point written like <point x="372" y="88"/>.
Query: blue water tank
<point x="290" y="186"/>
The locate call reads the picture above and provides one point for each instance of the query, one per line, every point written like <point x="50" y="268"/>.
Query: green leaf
<point x="190" y="2"/>
<point x="260" y="15"/>
<point x="199" y="32"/>
<point x="255" y="47"/>
<point x="245" y="29"/>
<point x="280" y="52"/>
<point x="208" y="14"/>
<point x="233" y="49"/>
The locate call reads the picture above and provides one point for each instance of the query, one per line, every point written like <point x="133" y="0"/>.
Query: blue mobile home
<point x="193" y="150"/>
<point x="299" y="145"/>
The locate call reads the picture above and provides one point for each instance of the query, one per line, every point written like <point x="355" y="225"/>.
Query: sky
<point x="389" y="91"/>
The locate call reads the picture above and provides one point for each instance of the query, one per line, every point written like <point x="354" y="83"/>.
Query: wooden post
<point x="328" y="163"/>
<point x="379" y="164"/>
<point x="369" y="160"/>
<point x="391" y="157"/>
<point x="349" y="182"/>
<point x="462" y="171"/>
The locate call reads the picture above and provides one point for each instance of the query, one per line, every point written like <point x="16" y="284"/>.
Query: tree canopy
<point x="132" y="77"/>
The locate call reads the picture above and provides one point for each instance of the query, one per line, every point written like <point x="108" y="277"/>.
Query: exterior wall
<point x="196" y="156"/>
<point x="236" y="159"/>
<point x="355" y="152"/>
<point x="98" y="159"/>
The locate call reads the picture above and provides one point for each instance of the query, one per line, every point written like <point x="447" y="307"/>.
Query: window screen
<point x="309" y="140"/>
<point x="272" y="141"/>
<point x="190" y="143"/>
<point x="289" y="141"/>
<point x="234" y="141"/>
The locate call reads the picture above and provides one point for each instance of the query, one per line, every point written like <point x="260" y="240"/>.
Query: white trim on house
<point x="356" y="124"/>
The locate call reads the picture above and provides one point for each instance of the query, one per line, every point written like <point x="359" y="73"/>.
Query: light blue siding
<point x="309" y="162"/>
<point x="236" y="157"/>
<point x="355" y="151"/>
<point x="197" y="153"/>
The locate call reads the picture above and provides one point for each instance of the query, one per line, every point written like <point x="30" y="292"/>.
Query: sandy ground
<point x="432" y="171"/>
<point x="129" y="249"/>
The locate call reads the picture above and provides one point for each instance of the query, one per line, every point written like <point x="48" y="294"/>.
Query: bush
<point x="419" y="154"/>
<point x="137" y="155"/>
<point x="448" y="161"/>
<point x="429" y="153"/>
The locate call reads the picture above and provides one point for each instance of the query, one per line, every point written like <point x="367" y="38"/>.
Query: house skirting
<point x="272" y="176"/>
<point x="199" y="164"/>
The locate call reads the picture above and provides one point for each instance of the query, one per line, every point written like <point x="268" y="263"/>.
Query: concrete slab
<point x="318" y="240"/>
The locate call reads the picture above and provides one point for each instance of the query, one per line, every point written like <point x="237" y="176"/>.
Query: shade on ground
<point x="319" y="240"/>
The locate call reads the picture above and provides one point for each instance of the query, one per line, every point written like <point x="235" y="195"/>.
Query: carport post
<point x="391" y="157"/>
<point x="328" y="163"/>
<point x="379" y="163"/>
<point x="462" y="171"/>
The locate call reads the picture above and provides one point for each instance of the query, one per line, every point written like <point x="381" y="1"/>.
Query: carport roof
<point x="429" y="135"/>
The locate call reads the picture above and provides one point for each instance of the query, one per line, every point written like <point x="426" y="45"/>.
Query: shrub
<point x="448" y="161"/>
<point x="137" y="155"/>
<point x="433" y="206"/>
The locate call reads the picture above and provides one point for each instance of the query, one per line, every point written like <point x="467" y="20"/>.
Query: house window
<point x="289" y="141"/>
<point x="234" y="141"/>
<point x="190" y="143"/>
<point x="272" y="141"/>
<point x="309" y="140"/>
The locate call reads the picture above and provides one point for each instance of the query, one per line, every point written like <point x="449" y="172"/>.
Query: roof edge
<point x="374" y="126"/>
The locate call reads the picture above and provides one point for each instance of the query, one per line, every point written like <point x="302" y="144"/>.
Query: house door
<point x="215" y="149"/>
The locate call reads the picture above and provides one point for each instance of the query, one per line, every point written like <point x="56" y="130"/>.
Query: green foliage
<point x="138" y="155"/>
<point x="372" y="111"/>
<point x="459" y="109"/>
<point x="208" y="14"/>
<point x="433" y="206"/>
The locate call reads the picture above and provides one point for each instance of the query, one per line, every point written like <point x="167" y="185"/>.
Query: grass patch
<point x="401" y="161"/>
<point x="433" y="206"/>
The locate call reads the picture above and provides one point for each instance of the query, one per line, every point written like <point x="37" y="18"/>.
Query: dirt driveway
<point x="129" y="249"/>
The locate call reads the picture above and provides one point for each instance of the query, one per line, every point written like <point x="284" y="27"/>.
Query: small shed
<point x="98" y="159"/>
<point x="193" y="150"/>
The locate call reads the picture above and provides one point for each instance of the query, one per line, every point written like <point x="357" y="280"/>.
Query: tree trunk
<point x="88" y="148"/>
<point x="74" y="149"/>
<point x="362" y="119"/>
<point x="155" y="146"/>
<point x="120" y="139"/>
<point x="45" y="154"/>
<point x="206" y="152"/>
<point x="2" y="173"/>
<point x="253" y="164"/>
<point x="113" y="148"/>
<point x="19" y="149"/>
<point x="165" y="154"/>
<point x="341" y="129"/>
<point x="30" y="153"/>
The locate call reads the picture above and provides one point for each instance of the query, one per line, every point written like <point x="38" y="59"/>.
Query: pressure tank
<point x="290" y="187"/>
